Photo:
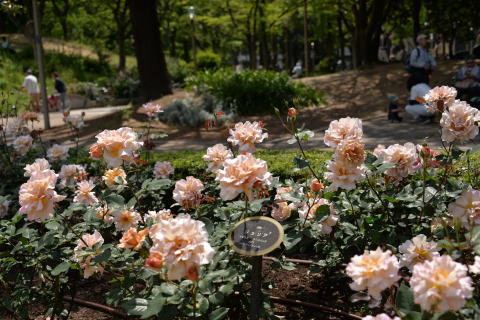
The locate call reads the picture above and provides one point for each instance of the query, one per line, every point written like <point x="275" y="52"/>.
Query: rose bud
<point x="316" y="186"/>
<point x="292" y="113"/>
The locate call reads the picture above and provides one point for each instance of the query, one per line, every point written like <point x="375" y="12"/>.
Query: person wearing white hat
<point x="421" y="62"/>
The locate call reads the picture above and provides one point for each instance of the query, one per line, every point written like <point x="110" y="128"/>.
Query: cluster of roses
<point x="439" y="283"/>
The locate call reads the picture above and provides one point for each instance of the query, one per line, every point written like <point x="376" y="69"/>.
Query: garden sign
<point x="256" y="236"/>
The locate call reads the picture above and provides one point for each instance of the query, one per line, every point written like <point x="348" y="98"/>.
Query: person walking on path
<point x="30" y="83"/>
<point x="421" y="63"/>
<point x="61" y="89"/>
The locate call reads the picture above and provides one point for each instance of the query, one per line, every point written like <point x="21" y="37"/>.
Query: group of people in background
<point x="30" y="84"/>
<point x="420" y="66"/>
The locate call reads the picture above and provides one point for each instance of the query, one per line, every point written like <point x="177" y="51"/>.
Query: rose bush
<point x="400" y="224"/>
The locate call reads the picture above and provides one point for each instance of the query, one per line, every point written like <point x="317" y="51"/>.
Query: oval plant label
<point x="256" y="236"/>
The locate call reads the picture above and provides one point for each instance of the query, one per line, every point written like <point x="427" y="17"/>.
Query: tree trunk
<point x="416" y="7"/>
<point x="152" y="68"/>
<point x="121" y="50"/>
<point x="341" y="39"/>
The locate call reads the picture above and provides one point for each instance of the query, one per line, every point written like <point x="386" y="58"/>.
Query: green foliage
<point x="254" y="92"/>
<point x="179" y="69"/>
<point x="208" y="60"/>
<point x="280" y="162"/>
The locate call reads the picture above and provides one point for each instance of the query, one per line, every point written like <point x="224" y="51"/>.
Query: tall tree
<point x="122" y="21"/>
<point x="152" y="68"/>
<point x="61" y="12"/>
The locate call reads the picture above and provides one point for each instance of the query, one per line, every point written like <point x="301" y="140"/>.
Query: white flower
<point x="459" y="122"/>
<point x="475" y="267"/>
<point x="216" y="155"/>
<point x="88" y="241"/>
<point x="343" y="129"/>
<point x="4" y="208"/>
<point x="404" y="157"/>
<point x="75" y="121"/>
<point x="342" y="175"/>
<point x="378" y="151"/>
<point x="22" y="144"/>
<point x="57" y="152"/>
<point x="163" y="169"/>
<point x="164" y="214"/>
<point x="374" y="270"/>
<point x="245" y="135"/>
<point x="440" y="98"/>
<point x="15" y="126"/>
<point x="69" y="173"/>
<point x="125" y="219"/>
<point x="150" y="109"/>
<point x="183" y="244"/>
<point x="417" y="250"/>
<point x="382" y="316"/>
<point x="38" y="166"/>
<point x="466" y="209"/>
<point x="188" y="192"/>
<point x="117" y="146"/>
<point x="84" y="193"/>
<point x="441" y="284"/>
<point x="309" y="211"/>
<point x="242" y="174"/>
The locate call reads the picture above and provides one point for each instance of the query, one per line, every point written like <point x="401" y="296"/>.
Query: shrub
<point x="194" y="113"/>
<point x="207" y="60"/>
<point x="254" y="92"/>
<point x="179" y="69"/>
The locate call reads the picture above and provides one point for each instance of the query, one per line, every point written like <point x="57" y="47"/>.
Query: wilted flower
<point x="22" y="144"/>
<point x="382" y="316"/>
<point x="242" y="174"/>
<point x="163" y="169"/>
<point x="31" y="116"/>
<point x="188" y="192"/>
<point x="150" y="109"/>
<point x="96" y="151"/>
<point x="466" y="209"/>
<point x="417" y="250"/>
<point x="88" y="241"/>
<point x="309" y="211"/>
<point x="246" y="134"/>
<point x="132" y="239"/>
<point x="37" y="197"/>
<point x="342" y="175"/>
<point x="125" y="219"/>
<point x="458" y="122"/>
<point x="164" y="214"/>
<point x="374" y="270"/>
<point x="343" y="129"/>
<point x="350" y="152"/>
<point x="38" y="166"/>
<point x="440" y="98"/>
<point x="69" y="173"/>
<point x="57" y="152"/>
<point x="405" y="159"/>
<point x="114" y="176"/>
<point x="4" y="208"/>
<point x="216" y="155"/>
<point x="84" y="193"/>
<point x="183" y="244"/>
<point x="441" y="284"/>
<point x="475" y="267"/>
<point x="117" y="146"/>
<point x="281" y="211"/>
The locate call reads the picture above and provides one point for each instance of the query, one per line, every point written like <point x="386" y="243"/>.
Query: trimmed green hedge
<point x="280" y="162"/>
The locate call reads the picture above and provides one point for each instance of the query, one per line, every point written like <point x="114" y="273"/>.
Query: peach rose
<point x="88" y="241"/>
<point x="113" y="176"/>
<point x="163" y="169"/>
<point x="84" y="193"/>
<point x="246" y="134"/>
<point x="440" y="98"/>
<point x="343" y="129"/>
<point x="188" y="192"/>
<point x="22" y="144"/>
<point x="150" y="109"/>
<point x="132" y="239"/>
<point x="118" y="146"/>
<point x="125" y="219"/>
<point x="216" y="155"/>
<point x="459" y="122"/>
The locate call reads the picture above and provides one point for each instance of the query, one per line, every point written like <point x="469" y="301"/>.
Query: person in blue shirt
<point x="467" y="80"/>
<point x="421" y="63"/>
<point x="61" y="89"/>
